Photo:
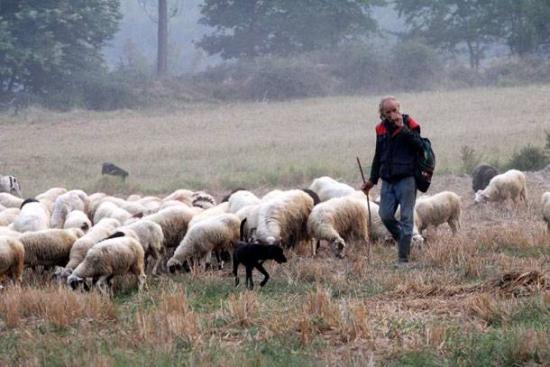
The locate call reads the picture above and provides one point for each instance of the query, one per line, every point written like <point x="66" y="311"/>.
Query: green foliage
<point x="529" y="158"/>
<point x="415" y="65"/>
<point x="46" y="45"/>
<point x="247" y="29"/>
<point x="451" y="24"/>
<point x="469" y="158"/>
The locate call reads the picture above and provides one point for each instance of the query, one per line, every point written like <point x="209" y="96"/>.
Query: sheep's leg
<point x="142" y="278"/>
<point x="262" y="270"/>
<point x="101" y="285"/>
<point x="315" y="244"/>
<point x="454" y="227"/>
<point x="249" y="282"/>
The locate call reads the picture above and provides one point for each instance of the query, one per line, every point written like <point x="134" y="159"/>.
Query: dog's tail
<point x="242" y="235"/>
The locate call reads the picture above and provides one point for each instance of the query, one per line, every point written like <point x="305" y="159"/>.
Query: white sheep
<point x="78" y="219"/>
<point x="339" y="221"/>
<point x="185" y="196"/>
<point x="50" y="247"/>
<point x="10" y="184"/>
<point x="10" y="201"/>
<point x="174" y="222"/>
<point x="210" y="212"/>
<point x="12" y="258"/>
<point x="545" y="200"/>
<point x="34" y="216"/>
<point x="101" y="230"/>
<point x="283" y="219"/>
<point x="240" y="199"/>
<point x="149" y="235"/>
<point x="135" y="208"/>
<point x="115" y="256"/>
<point x="51" y="194"/>
<point x="508" y="185"/>
<point x="66" y="203"/>
<point x="203" y="200"/>
<point x="211" y="234"/>
<point x="250" y="213"/>
<point x="107" y="209"/>
<point x="328" y="188"/>
<point x="443" y="207"/>
<point x="7" y="216"/>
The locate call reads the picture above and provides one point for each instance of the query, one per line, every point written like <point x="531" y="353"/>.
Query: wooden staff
<point x="368" y="208"/>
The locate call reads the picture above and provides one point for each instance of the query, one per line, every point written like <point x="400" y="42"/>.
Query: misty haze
<point x="150" y="146"/>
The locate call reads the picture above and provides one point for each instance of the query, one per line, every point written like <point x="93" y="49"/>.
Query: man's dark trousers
<point x="393" y="194"/>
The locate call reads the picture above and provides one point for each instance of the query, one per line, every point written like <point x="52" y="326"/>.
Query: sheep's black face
<point x="174" y="267"/>
<point x="74" y="283"/>
<point x="186" y="267"/>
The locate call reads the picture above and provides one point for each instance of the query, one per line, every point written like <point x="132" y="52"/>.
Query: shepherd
<point x="398" y="144"/>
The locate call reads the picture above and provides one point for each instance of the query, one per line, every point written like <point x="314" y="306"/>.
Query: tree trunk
<point x="162" y="42"/>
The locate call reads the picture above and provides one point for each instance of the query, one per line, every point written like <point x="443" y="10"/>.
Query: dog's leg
<point x="236" y="270"/>
<point x="249" y="282"/>
<point x="264" y="272"/>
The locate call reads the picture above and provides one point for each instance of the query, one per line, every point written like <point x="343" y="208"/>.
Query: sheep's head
<point x="480" y="197"/>
<point x="277" y="254"/>
<point x="417" y="240"/>
<point x="339" y="247"/>
<point x="176" y="265"/>
<point x="74" y="281"/>
<point x="61" y="274"/>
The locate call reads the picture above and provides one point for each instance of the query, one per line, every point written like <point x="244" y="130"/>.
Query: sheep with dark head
<point x="481" y="175"/>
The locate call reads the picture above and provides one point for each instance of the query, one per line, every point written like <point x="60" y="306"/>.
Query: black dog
<point x="253" y="256"/>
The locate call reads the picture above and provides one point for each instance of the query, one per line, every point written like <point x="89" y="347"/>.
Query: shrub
<point x="529" y="158"/>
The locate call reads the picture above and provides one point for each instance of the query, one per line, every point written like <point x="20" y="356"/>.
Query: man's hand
<point x="367" y="186"/>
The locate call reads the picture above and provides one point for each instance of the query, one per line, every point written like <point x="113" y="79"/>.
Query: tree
<point x="524" y="24"/>
<point x="449" y="24"/>
<point x="161" y="19"/>
<point x="250" y="28"/>
<point x="46" y="44"/>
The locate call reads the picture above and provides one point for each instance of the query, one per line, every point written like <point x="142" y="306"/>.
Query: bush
<point x="518" y="71"/>
<point x="529" y="158"/>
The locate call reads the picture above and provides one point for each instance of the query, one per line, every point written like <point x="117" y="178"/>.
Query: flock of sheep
<point x="96" y="237"/>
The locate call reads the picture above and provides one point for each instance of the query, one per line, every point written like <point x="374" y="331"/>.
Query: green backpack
<point x="424" y="166"/>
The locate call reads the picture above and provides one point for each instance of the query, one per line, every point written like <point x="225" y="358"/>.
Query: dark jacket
<point x="396" y="150"/>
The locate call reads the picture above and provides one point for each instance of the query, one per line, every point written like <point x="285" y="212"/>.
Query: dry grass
<point x="478" y="298"/>
<point x="257" y="145"/>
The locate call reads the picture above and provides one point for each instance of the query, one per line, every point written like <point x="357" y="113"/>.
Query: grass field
<point x="477" y="299"/>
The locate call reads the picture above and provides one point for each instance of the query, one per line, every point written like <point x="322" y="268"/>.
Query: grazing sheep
<point x="203" y="200"/>
<point x="481" y="175"/>
<point x="34" y="216"/>
<point x="211" y="234"/>
<point x="66" y="203"/>
<point x="240" y="199"/>
<point x="51" y="194"/>
<point x="271" y="195"/>
<point x="339" y="221"/>
<point x="78" y="219"/>
<point x="12" y="258"/>
<point x="7" y="216"/>
<point x="10" y="201"/>
<point x="185" y="196"/>
<point x="10" y="185"/>
<point x="545" y="199"/>
<point x="250" y="213"/>
<point x="328" y="188"/>
<point x="210" y="212"/>
<point x="50" y="247"/>
<point x="168" y="204"/>
<point x="443" y="207"/>
<point x="109" y="210"/>
<point x="98" y="232"/>
<point x="115" y="256"/>
<point x="508" y="185"/>
<point x="174" y="222"/>
<point x="132" y="207"/>
<point x="283" y="219"/>
<point x="149" y="235"/>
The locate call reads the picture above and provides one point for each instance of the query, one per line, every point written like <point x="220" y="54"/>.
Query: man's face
<point x="390" y="111"/>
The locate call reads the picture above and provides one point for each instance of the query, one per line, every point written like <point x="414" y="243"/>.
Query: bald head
<point x="389" y="109"/>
